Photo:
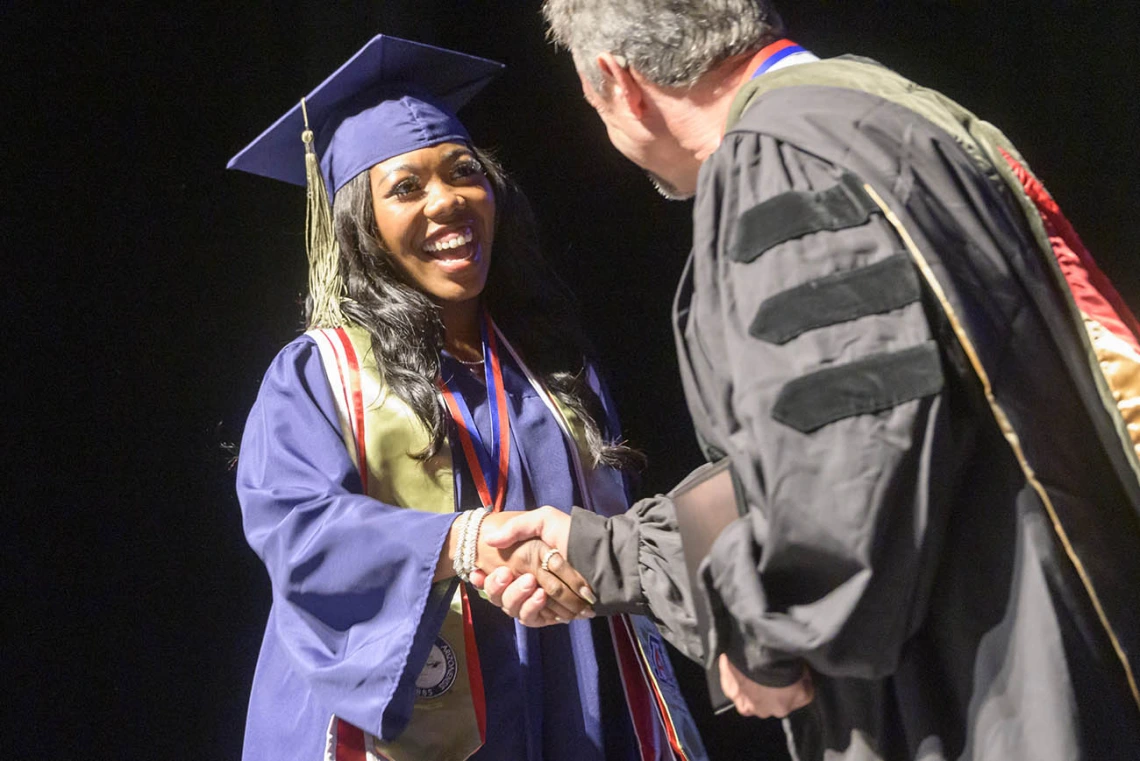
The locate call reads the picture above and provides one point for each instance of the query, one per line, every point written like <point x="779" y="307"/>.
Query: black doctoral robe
<point x="941" y="501"/>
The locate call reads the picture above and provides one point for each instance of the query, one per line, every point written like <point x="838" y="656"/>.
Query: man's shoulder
<point x="817" y="103"/>
<point x="816" y="114"/>
<point x="812" y="85"/>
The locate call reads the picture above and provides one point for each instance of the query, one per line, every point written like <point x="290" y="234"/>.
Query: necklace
<point x="454" y="352"/>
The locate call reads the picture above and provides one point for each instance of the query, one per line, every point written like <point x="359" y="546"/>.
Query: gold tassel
<point x="325" y="286"/>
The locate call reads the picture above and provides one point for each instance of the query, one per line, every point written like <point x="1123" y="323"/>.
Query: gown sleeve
<point x="629" y="556"/>
<point x="815" y="369"/>
<point x="351" y="576"/>
<point x="631" y="562"/>
<point x="822" y="379"/>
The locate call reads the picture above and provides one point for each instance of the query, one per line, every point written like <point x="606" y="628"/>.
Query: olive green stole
<point x="380" y="432"/>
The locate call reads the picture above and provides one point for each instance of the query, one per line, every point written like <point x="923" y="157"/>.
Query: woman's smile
<point x="435" y="212"/>
<point x="447" y="241"/>
<point x="454" y="249"/>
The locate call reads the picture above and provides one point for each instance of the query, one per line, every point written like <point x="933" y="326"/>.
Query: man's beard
<point x="666" y="188"/>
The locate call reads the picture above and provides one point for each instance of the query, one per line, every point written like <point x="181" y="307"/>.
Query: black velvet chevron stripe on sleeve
<point x="794" y="214"/>
<point x="880" y="287"/>
<point x="872" y="384"/>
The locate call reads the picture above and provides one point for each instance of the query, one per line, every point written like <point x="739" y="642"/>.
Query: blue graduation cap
<point x="392" y="97"/>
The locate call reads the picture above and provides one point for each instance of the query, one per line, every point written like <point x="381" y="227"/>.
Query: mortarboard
<point x="391" y="97"/>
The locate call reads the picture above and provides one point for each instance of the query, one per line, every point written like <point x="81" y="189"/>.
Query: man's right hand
<point x="523" y="555"/>
<point x="549" y="524"/>
<point x="520" y="596"/>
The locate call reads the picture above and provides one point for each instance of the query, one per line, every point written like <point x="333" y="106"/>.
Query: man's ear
<point x="619" y="84"/>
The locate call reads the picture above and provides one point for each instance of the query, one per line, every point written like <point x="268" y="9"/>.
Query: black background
<point x="147" y="289"/>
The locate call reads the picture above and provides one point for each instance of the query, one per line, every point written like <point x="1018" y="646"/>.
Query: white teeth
<point x="462" y="239"/>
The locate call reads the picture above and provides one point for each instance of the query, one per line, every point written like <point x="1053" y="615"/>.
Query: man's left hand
<point x="754" y="699"/>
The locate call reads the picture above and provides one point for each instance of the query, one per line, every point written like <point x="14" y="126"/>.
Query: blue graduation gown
<point x="351" y="576"/>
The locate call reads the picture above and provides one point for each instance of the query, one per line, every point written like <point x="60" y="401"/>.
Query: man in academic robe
<point x="925" y="388"/>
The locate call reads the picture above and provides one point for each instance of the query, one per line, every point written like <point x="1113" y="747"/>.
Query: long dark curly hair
<point x="529" y="303"/>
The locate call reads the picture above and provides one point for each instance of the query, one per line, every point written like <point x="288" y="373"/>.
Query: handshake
<point x="521" y="566"/>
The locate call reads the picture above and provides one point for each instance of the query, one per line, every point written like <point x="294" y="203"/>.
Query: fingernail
<point x="586" y="613"/>
<point x="502" y="575"/>
<point x="560" y="619"/>
<point x="587" y="595"/>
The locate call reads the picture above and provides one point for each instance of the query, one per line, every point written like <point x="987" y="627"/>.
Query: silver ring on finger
<point x="545" y="564"/>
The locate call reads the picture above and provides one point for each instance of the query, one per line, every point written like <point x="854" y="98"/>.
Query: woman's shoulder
<point x="297" y="352"/>
<point x="296" y="378"/>
<point x="296" y="361"/>
<point x="332" y="357"/>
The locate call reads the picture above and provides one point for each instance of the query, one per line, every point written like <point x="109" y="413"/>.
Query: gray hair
<point x="671" y="42"/>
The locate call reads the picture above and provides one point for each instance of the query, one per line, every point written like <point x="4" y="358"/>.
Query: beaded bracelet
<point x="471" y="541"/>
<point x="464" y="520"/>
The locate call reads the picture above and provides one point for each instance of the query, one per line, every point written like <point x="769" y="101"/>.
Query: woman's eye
<point x="405" y="187"/>
<point x="468" y="168"/>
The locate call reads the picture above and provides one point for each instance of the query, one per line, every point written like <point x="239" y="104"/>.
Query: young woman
<point x="443" y="382"/>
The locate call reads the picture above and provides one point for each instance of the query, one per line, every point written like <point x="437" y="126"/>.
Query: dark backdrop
<point x="147" y="289"/>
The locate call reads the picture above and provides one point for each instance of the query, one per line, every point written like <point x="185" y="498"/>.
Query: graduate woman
<point x="442" y="381"/>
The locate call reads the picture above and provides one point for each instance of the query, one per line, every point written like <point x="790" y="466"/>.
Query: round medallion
<point x="438" y="674"/>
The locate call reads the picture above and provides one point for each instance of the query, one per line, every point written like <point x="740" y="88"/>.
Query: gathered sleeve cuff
<point x="631" y="562"/>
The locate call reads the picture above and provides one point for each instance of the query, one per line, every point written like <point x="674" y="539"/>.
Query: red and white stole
<point x="379" y="431"/>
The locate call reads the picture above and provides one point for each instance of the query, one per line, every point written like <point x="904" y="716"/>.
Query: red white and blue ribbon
<point x="783" y="52"/>
<point x="488" y="465"/>
<point x="653" y="724"/>
<point x="344" y="741"/>
<point x="489" y="468"/>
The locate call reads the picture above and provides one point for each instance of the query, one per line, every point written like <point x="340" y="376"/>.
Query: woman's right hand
<point x="556" y="594"/>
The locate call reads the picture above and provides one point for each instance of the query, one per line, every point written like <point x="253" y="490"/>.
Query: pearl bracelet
<point x="470" y="541"/>
<point x="464" y="520"/>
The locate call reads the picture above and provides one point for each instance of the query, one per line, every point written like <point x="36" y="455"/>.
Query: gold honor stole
<point x="449" y="714"/>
